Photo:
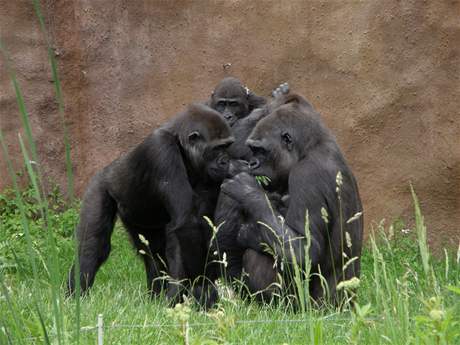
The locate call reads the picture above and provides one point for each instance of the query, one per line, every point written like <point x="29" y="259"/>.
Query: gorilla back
<point x="159" y="190"/>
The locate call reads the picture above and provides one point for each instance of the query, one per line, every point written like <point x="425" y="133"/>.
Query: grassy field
<point x="401" y="300"/>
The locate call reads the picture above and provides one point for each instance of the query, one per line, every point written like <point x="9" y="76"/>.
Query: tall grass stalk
<point x="22" y="209"/>
<point x="59" y="99"/>
<point x="31" y="251"/>
<point x="421" y="234"/>
<point x="68" y="160"/>
<point x="20" y="101"/>
<point x="35" y="177"/>
<point x="52" y="261"/>
<point x="13" y="311"/>
<point x="301" y="271"/>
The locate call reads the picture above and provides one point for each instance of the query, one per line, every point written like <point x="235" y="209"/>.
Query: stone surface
<point x="385" y="76"/>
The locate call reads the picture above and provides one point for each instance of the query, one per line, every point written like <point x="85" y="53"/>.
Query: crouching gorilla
<point x="160" y="190"/>
<point x="301" y="158"/>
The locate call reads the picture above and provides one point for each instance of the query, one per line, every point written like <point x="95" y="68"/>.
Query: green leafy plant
<point x="263" y="180"/>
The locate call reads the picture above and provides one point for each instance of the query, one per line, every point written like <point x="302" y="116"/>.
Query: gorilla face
<point x="230" y="98"/>
<point x="216" y="159"/>
<point x="275" y="143"/>
<point x="204" y="137"/>
<point x="232" y="109"/>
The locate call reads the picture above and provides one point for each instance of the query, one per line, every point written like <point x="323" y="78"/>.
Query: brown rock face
<point x="384" y="74"/>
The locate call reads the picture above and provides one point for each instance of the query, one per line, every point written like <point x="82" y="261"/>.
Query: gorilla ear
<point x="194" y="137"/>
<point x="287" y="139"/>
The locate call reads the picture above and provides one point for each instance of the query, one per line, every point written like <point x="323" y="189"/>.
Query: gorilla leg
<point x="228" y="218"/>
<point x="260" y="275"/>
<point x="174" y="261"/>
<point x="153" y="268"/>
<point x="231" y="237"/>
<point x="97" y="218"/>
<point x="205" y="292"/>
<point x="150" y="255"/>
<point x="194" y="241"/>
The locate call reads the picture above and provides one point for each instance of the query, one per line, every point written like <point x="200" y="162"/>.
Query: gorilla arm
<point x="176" y="193"/>
<point x="286" y="237"/>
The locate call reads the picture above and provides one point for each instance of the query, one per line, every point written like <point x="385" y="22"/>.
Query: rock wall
<point x="385" y="76"/>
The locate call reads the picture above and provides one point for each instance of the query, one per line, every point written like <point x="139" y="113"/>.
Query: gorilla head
<point x="204" y="138"/>
<point x="280" y="140"/>
<point x="233" y="100"/>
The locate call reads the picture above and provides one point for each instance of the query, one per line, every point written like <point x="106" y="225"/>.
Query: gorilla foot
<point x="205" y="295"/>
<point x="282" y="89"/>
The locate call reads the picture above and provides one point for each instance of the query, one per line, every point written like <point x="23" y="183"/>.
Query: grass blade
<point x="421" y="234"/>
<point x="59" y="99"/>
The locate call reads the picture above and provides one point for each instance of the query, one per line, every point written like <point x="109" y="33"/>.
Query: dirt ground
<point x="385" y="75"/>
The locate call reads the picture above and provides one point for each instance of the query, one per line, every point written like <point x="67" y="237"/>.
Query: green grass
<point x="399" y="302"/>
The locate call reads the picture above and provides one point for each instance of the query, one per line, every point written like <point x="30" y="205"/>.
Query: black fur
<point x="293" y="148"/>
<point x="229" y="215"/>
<point x="161" y="190"/>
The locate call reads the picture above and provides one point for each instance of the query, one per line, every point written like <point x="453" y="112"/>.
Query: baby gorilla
<point x="299" y="155"/>
<point x="160" y="190"/>
<point x="229" y="215"/>
<point x="233" y="100"/>
<point x="242" y="109"/>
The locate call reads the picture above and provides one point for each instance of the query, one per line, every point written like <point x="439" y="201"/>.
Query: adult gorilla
<point x="300" y="156"/>
<point x="160" y="190"/>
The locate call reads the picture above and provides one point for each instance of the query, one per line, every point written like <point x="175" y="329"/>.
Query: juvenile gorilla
<point x="300" y="156"/>
<point x="242" y="109"/>
<point x="160" y="190"/>
<point x="229" y="215"/>
<point x="233" y="100"/>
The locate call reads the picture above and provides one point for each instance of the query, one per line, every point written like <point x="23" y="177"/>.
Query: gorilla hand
<point x="243" y="188"/>
<point x="249" y="237"/>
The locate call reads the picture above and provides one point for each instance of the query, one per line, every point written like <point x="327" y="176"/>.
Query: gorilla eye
<point x="286" y="138"/>
<point x="234" y="104"/>
<point x="258" y="150"/>
<point x="194" y="136"/>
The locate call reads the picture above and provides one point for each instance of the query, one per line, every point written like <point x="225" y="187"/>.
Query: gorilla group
<point x="266" y="171"/>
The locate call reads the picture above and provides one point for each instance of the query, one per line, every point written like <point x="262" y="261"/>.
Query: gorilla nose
<point x="228" y="116"/>
<point x="223" y="161"/>
<point x="254" y="163"/>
